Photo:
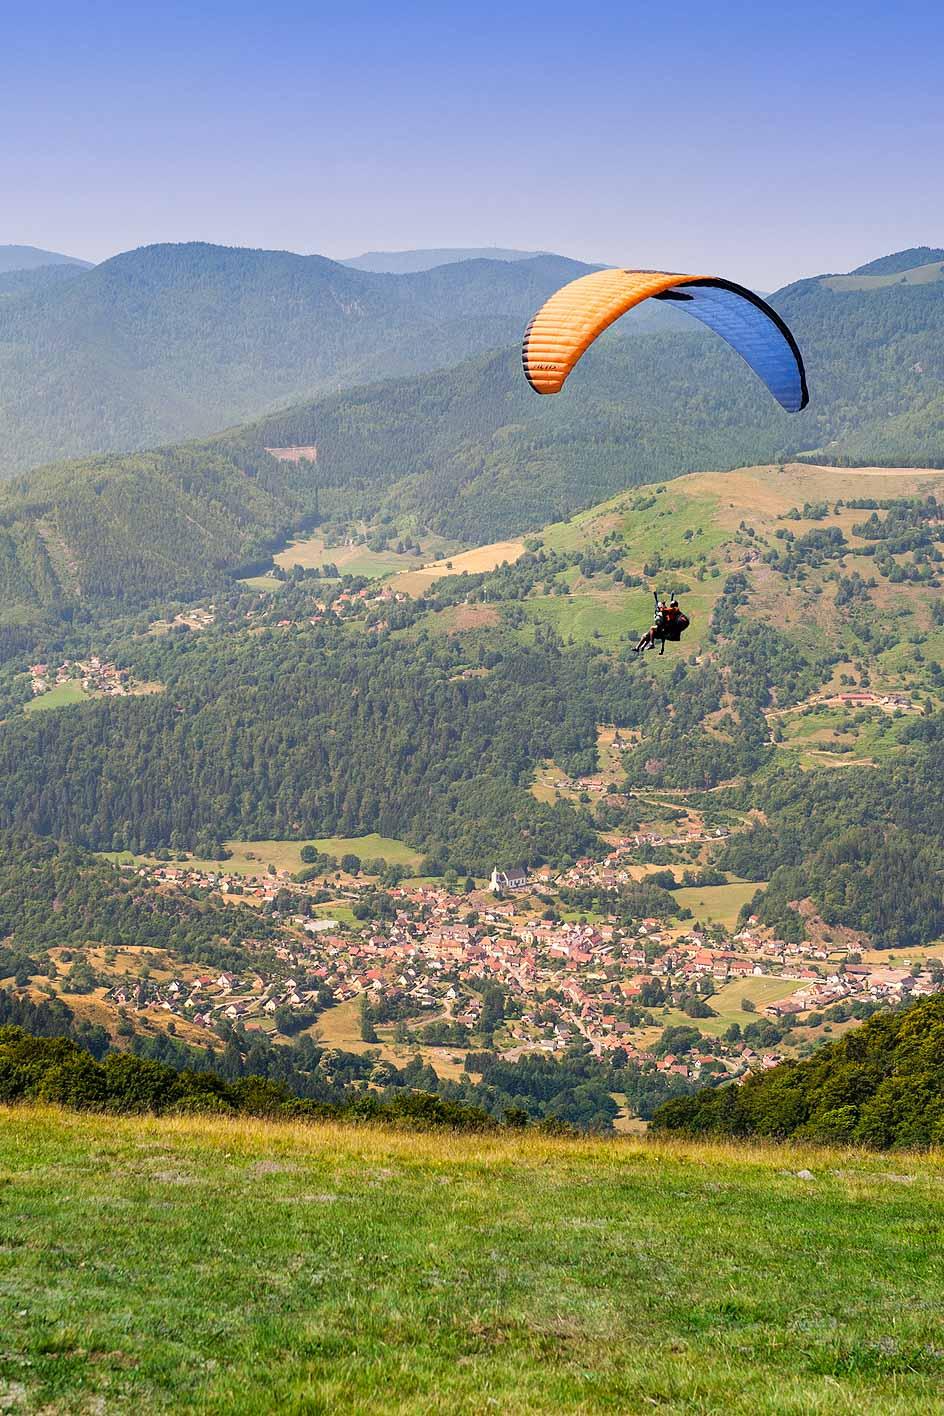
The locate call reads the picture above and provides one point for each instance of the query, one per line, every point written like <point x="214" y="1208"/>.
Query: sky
<point x="754" y="141"/>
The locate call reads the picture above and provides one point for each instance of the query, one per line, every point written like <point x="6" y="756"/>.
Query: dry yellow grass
<point x="474" y="562"/>
<point x="768" y="492"/>
<point x="340" y="1027"/>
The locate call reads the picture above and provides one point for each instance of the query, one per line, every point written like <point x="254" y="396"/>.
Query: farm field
<point x="371" y="847"/>
<point x="341" y="1027"/>
<point x="254" y="857"/>
<point x="262" y="582"/>
<point x="482" y="558"/>
<point x="284" y="1267"/>
<point x="815" y="736"/>
<point x="311" y="551"/>
<point x="727" y="1004"/>
<point x="64" y="695"/>
<point x="718" y="904"/>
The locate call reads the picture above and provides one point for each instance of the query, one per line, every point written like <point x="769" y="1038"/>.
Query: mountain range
<point x="169" y="342"/>
<point x="174" y="341"/>
<point x="470" y="452"/>
<point x="409" y="262"/>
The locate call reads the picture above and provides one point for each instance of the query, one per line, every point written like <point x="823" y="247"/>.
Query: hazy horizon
<point x="757" y="151"/>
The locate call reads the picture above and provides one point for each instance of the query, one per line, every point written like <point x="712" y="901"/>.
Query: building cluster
<point x="599" y="984"/>
<point x="94" y="674"/>
<point x="193" y="619"/>
<point x="349" y="604"/>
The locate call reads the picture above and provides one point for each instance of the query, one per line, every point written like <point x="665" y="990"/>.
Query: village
<point x="609" y="987"/>
<point x="94" y="675"/>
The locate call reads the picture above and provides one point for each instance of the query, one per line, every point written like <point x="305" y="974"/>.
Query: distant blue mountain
<point x="409" y="262"/>
<point x="31" y="257"/>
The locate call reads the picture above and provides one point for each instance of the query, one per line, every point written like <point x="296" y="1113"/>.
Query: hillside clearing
<point x="255" y="857"/>
<point x="341" y="1027"/>
<point x="727" y="1005"/>
<point x="474" y="562"/>
<point x="371" y="847"/>
<point x="64" y="695"/>
<point x="320" y="1268"/>
<point x="310" y="552"/>
<point x="717" y="904"/>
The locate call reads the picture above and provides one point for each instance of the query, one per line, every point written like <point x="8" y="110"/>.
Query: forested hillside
<point x="881" y="1086"/>
<point x="53" y="896"/>
<point x="17" y="283"/>
<point x="914" y="257"/>
<point x="807" y="699"/>
<point x="173" y="341"/>
<point x="34" y="258"/>
<point x="408" y="262"/>
<point x="324" y="732"/>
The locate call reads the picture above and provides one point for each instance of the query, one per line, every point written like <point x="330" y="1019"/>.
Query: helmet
<point x="674" y="602"/>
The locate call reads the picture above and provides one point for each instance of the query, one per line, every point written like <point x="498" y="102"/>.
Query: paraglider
<point x="574" y="316"/>
<point x="668" y="626"/>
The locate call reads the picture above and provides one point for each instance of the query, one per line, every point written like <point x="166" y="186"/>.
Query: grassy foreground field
<point x="211" y="1265"/>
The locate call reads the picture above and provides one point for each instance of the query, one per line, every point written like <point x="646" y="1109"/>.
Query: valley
<point x="656" y="929"/>
<point x="471" y="712"/>
<point x="344" y="666"/>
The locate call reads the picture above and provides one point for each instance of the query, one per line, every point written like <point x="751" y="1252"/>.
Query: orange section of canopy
<point x="568" y="323"/>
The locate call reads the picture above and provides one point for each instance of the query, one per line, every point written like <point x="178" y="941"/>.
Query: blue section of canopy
<point x="752" y="328"/>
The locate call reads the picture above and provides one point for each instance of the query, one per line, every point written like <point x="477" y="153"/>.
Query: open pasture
<point x="211" y="1265"/>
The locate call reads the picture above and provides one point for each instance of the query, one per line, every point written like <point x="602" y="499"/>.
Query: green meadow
<point x="717" y="904"/>
<point x="211" y="1265"/>
<point x="64" y="695"/>
<point x="372" y="847"/>
<point x="254" y="857"/>
<point x="726" y="1004"/>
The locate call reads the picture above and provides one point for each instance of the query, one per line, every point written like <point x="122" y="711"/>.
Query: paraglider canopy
<point x="568" y="323"/>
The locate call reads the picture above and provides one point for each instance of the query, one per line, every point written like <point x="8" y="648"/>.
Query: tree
<point x="368" y="1029"/>
<point x="493" y="1011"/>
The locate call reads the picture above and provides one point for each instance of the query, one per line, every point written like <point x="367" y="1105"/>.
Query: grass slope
<point x="651" y="524"/>
<point x="64" y="695"/>
<point x="210" y="1266"/>
<point x="253" y="857"/>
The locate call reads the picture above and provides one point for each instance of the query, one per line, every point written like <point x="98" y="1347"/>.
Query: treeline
<point x="58" y="1070"/>
<point x="575" y="1089"/>
<point x="881" y="1085"/>
<point x="159" y="1074"/>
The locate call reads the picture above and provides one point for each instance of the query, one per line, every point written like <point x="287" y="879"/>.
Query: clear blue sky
<point x="762" y="142"/>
